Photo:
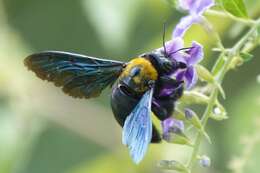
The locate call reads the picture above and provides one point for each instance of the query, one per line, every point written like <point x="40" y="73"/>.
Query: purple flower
<point x="172" y="48"/>
<point x="172" y="125"/>
<point x="195" y="8"/>
<point x="190" y="58"/>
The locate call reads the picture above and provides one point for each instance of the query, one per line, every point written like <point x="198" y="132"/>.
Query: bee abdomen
<point x="122" y="105"/>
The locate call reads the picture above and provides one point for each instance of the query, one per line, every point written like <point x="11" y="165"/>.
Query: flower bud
<point x="219" y="113"/>
<point x="173" y="132"/>
<point x="192" y="117"/>
<point x="177" y="138"/>
<point x="204" y="161"/>
<point x="193" y="97"/>
<point x="204" y="74"/>
<point x="172" y="165"/>
<point x="236" y="62"/>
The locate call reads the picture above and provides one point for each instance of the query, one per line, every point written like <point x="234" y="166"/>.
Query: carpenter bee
<point x="138" y="88"/>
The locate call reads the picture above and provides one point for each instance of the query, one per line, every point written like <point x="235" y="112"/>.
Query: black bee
<point x="138" y="88"/>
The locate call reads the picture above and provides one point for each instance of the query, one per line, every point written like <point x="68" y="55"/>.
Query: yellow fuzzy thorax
<point x="147" y="69"/>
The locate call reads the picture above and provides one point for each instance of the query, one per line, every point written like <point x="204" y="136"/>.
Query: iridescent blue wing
<point x="79" y="76"/>
<point x="137" y="130"/>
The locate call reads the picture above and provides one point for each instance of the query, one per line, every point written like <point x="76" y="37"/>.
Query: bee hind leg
<point x="156" y="136"/>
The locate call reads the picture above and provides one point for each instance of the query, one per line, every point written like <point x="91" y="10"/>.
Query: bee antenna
<point x="185" y="48"/>
<point x="164" y="47"/>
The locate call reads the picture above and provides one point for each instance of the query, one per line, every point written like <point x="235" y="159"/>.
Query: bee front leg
<point x="167" y="91"/>
<point x="163" y="109"/>
<point x="169" y="88"/>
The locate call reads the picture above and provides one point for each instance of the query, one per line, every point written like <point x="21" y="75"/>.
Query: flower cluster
<point x="194" y="55"/>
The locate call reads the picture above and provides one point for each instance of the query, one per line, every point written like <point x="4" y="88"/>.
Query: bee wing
<point x="137" y="130"/>
<point x="79" y="76"/>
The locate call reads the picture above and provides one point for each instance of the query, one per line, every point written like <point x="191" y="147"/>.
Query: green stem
<point x="249" y="22"/>
<point x="199" y="136"/>
<point x="213" y="97"/>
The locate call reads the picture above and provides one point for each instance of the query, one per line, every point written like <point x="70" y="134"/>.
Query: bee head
<point x="138" y="75"/>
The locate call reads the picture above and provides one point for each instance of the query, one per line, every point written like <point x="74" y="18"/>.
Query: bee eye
<point x="135" y="71"/>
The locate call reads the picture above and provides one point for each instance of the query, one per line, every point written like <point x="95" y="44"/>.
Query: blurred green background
<point x="44" y="131"/>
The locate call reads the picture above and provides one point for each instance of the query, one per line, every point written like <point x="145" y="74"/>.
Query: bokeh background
<point x="44" y="131"/>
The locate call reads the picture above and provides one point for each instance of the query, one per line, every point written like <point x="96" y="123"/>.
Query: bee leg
<point x="165" y="82"/>
<point x="163" y="104"/>
<point x="156" y="137"/>
<point x="163" y="109"/>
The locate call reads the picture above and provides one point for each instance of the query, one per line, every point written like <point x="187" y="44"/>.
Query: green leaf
<point x="173" y="165"/>
<point x="246" y="56"/>
<point x="235" y="7"/>
<point x="172" y="3"/>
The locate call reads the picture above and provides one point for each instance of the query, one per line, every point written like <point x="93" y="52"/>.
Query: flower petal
<point x="191" y="77"/>
<point x="174" y="45"/>
<point x="186" y="4"/>
<point x="195" y="54"/>
<point x="184" y="25"/>
<point x="202" y="5"/>
<point x="196" y="6"/>
<point x="180" y="75"/>
<point x="172" y="48"/>
<point x="171" y="123"/>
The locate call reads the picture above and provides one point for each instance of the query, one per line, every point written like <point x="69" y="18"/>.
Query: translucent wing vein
<point x="137" y="130"/>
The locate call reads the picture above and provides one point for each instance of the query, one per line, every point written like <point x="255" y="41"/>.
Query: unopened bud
<point x="204" y="74"/>
<point x="236" y="61"/>
<point x="204" y="161"/>
<point x="192" y="117"/>
<point x="177" y="137"/>
<point x="217" y="111"/>
<point x="172" y="165"/>
<point x="189" y="114"/>
<point x="193" y="97"/>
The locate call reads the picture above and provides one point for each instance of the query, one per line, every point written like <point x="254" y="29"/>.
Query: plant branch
<point x="249" y="22"/>
<point x="213" y="97"/>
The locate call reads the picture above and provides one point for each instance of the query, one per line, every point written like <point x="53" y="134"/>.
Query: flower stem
<point x="199" y="136"/>
<point x="214" y="94"/>
<point x="249" y="22"/>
